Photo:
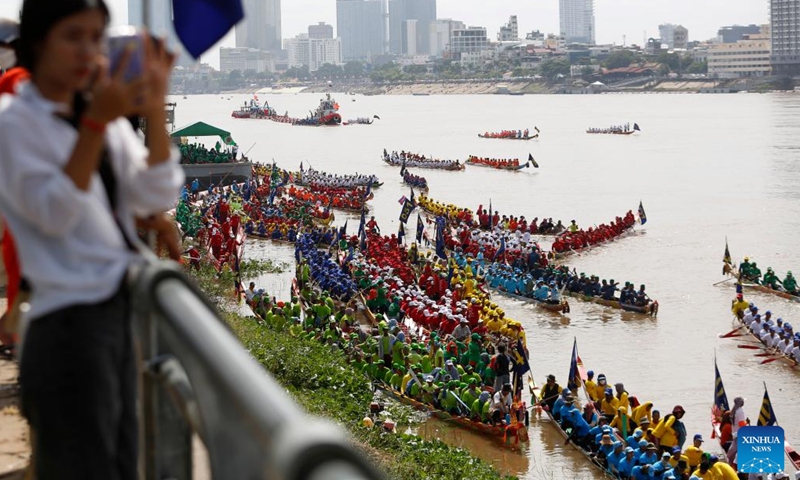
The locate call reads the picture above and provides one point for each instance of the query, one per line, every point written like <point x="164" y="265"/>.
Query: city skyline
<point x="613" y="18"/>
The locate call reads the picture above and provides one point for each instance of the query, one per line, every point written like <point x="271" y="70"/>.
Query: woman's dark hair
<point x="39" y="16"/>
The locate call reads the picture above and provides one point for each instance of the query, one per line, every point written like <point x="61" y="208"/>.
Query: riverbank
<point x="326" y="385"/>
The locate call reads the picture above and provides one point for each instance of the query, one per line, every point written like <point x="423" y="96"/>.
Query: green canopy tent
<point x="202" y="129"/>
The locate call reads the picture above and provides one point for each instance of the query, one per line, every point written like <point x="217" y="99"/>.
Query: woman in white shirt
<point x="74" y="177"/>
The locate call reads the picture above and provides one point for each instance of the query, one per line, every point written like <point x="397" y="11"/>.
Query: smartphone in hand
<point x="126" y="38"/>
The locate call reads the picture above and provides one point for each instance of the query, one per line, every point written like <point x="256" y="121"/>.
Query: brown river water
<point x="705" y="167"/>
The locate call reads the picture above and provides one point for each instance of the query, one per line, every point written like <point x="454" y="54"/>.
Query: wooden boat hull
<point x="453" y="168"/>
<point x="561" y="255"/>
<point x="612" y="133"/>
<point x="503" y="433"/>
<point x="651" y="309"/>
<point x="510" y="138"/>
<point x="509" y="167"/>
<point x="772" y="291"/>
<point x="552" y="421"/>
<point x="562" y="307"/>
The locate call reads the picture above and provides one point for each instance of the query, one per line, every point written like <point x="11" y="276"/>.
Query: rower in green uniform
<point x="745" y="268"/>
<point x="770" y="279"/>
<point x="755" y="273"/>
<point x="789" y="283"/>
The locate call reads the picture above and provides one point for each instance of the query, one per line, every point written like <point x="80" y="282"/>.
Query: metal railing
<point x="198" y="379"/>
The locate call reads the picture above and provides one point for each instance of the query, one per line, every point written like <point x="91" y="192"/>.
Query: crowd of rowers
<point x="461" y="365"/>
<point x="494" y="162"/>
<point x="777" y="336"/>
<point x="749" y="271"/>
<point x="614" y="129"/>
<point x="576" y="239"/>
<point x="421" y="161"/>
<point x="508" y="134"/>
<point x="324" y="179"/>
<point x="192" y="154"/>
<point x="416" y="181"/>
<point x="631" y="440"/>
<point x="529" y="275"/>
<point x="337" y="197"/>
<point x="463" y="215"/>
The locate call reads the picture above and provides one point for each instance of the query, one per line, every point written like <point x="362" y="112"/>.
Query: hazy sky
<point x="613" y="18"/>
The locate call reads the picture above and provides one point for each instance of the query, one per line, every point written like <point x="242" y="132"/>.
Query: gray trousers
<point x="78" y="380"/>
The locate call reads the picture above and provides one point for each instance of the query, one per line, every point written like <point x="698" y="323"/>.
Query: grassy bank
<point x="322" y="381"/>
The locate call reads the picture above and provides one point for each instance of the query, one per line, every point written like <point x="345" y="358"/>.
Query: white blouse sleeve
<point x="148" y="190"/>
<point x="34" y="186"/>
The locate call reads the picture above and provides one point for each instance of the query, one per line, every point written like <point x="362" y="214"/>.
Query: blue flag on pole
<point x="574" y="380"/>
<point x="720" y="397"/>
<point x="363" y="222"/>
<point x="440" y="251"/>
<point x="202" y="23"/>
<point x="420" y="229"/>
<point x="490" y="215"/>
<point x="500" y="250"/>
<point x="642" y="216"/>
<point x="521" y="364"/>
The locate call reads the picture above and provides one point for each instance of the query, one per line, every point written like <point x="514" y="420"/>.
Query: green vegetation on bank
<point x="322" y="381"/>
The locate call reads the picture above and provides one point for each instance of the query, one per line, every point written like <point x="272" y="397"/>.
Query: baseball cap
<point x="699" y="437"/>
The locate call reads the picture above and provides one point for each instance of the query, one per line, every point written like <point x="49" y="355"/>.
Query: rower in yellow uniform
<point x="739" y="306"/>
<point x="609" y="405"/>
<point x="590" y="385"/>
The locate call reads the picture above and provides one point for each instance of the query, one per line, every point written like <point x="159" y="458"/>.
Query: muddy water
<point x="705" y="166"/>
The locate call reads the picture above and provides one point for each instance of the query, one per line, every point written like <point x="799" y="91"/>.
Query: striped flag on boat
<point x="720" y="397"/>
<point x="766" y="417"/>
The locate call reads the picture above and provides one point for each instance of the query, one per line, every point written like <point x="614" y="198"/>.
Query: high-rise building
<point x="409" y="34"/>
<point x="244" y="59"/>
<point x="321" y="31"/>
<point x="749" y="57"/>
<point x="577" y="21"/>
<point x="468" y="40"/>
<point x="785" y="23"/>
<point x="400" y="11"/>
<point x="312" y="52"/>
<point x="680" y="37"/>
<point x="734" y="33"/>
<point x="160" y="23"/>
<point x="361" y="27"/>
<point x="510" y="31"/>
<point x="261" y="27"/>
<point x="667" y="33"/>
<point x="673" y="36"/>
<point x="440" y="35"/>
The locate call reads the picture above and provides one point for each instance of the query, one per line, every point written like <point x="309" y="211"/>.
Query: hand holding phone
<point x="123" y="41"/>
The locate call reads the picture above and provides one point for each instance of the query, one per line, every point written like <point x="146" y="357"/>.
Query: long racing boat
<point x="651" y="309"/>
<point x="479" y="162"/>
<point x="561" y="307"/>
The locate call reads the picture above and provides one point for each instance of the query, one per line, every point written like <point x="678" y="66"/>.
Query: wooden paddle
<point x="730" y="334"/>
<point x="751" y="347"/>
<point x="770" y="360"/>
